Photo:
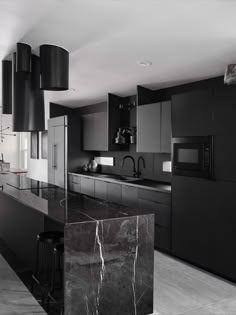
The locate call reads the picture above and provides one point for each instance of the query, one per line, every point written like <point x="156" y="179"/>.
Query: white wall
<point x="10" y="145"/>
<point x="38" y="168"/>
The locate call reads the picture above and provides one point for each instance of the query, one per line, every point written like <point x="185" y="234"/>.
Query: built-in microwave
<point x="193" y="156"/>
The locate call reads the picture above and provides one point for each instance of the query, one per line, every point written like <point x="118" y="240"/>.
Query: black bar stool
<point x="49" y="240"/>
<point x="58" y="254"/>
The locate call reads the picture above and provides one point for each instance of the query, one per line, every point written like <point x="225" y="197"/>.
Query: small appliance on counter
<point x="93" y="166"/>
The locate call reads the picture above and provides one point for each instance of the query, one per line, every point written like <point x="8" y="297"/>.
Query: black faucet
<point x="136" y="173"/>
<point x="132" y="159"/>
<point x="140" y="158"/>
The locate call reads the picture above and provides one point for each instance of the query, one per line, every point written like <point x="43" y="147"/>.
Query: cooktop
<point x="22" y="182"/>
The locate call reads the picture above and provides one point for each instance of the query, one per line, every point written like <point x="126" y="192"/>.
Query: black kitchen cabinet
<point x="203" y="223"/>
<point x="160" y="204"/>
<point x="114" y="193"/>
<point x="87" y="186"/>
<point x="75" y="183"/>
<point x="95" y="132"/>
<point x="149" y="128"/>
<point x="192" y="113"/>
<point x="154" y="127"/>
<point x="130" y="196"/>
<point x="166" y="129"/>
<point x="224" y="114"/>
<point x="101" y="189"/>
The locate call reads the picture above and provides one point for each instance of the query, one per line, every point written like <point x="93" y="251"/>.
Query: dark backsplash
<point x="153" y="161"/>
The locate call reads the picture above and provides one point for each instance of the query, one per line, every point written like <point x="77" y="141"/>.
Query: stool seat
<point x="51" y="237"/>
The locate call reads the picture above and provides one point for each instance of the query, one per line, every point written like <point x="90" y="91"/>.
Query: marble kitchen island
<point x="109" y="249"/>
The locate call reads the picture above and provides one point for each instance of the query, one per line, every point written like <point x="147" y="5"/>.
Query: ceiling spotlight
<point x="145" y="63"/>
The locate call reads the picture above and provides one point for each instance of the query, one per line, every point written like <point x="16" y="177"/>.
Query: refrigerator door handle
<point x="54" y="157"/>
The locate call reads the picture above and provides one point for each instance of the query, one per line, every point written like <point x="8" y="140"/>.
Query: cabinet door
<point x="162" y="238"/>
<point x="203" y="223"/>
<point x="192" y="113"/>
<point x="129" y="196"/>
<point x="162" y="212"/>
<point x="75" y="183"/>
<point x="166" y="127"/>
<point x="149" y="128"/>
<point x="114" y="193"/>
<point x="87" y="186"/>
<point x="101" y="189"/>
<point x="95" y="132"/>
<point x="224" y="130"/>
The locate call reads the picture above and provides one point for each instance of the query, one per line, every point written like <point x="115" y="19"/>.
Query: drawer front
<point x="76" y="179"/>
<point x="162" y="212"/>
<point x="87" y="186"/>
<point x="155" y="196"/>
<point x="100" y="189"/>
<point x="114" y="193"/>
<point x="162" y="238"/>
<point x="75" y="187"/>
<point x="129" y="196"/>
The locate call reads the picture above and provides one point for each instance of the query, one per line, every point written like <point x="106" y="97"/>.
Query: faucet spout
<point x="132" y="159"/>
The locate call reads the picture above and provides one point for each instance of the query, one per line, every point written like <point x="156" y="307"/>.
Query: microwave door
<point x="188" y="156"/>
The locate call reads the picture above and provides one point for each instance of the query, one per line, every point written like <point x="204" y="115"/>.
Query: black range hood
<point x="6" y="87"/>
<point x="54" y="68"/>
<point x="28" y="98"/>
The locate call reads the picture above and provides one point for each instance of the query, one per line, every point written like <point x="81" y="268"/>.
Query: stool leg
<point x="36" y="268"/>
<point x="52" y="284"/>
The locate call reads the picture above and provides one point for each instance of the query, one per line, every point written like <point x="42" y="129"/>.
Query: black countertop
<point x="63" y="206"/>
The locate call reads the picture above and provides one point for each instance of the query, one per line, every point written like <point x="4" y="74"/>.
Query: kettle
<point x="93" y="166"/>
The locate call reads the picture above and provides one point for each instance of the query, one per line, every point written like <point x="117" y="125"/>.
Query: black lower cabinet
<point x="203" y="224"/>
<point x="19" y="226"/>
<point x="162" y="238"/>
<point x="160" y="204"/>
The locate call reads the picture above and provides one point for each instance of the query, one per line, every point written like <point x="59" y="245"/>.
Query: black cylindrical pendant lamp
<point x="6" y="87"/>
<point x="54" y="63"/>
<point x="23" y="57"/>
<point x="28" y="99"/>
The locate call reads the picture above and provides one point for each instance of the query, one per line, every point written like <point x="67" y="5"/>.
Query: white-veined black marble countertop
<point x="61" y="205"/>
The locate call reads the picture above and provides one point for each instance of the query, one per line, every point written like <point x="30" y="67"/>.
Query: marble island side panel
<point x="109" y="266"/>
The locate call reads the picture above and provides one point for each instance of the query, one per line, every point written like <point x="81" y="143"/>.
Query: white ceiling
<point x="186" y="40"/>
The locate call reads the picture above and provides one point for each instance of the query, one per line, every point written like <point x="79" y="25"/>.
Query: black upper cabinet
<point x="224" y="129"/>
<point x="192" y="113"/>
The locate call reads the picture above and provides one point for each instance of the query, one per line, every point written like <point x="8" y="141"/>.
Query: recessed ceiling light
<point x="145" y="63"/>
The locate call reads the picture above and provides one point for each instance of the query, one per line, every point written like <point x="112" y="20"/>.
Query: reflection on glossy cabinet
<point x="101" y="189"/>
<point x="129" y="196"/>
<point x="114" y="193"/>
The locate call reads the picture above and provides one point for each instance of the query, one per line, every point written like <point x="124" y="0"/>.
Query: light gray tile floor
<point x="181" y="289"/>
<point x="14" y="296"/>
